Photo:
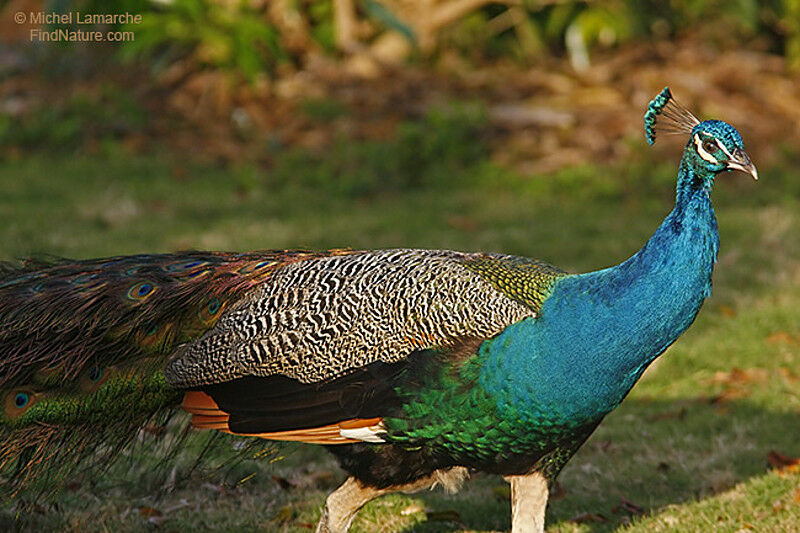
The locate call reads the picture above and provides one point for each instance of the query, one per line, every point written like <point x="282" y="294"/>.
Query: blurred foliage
<point x="387" y="19"/>
<point x="66" y="125"/>
<point x="790" y="28"/>
<point x="577" y="27"/>
<point x="255" y="36"/>
<point x="226" y="35"/>
<point x="97" y="6"/>
<point x="320" y="18"/>
<point x="443" y="146"/>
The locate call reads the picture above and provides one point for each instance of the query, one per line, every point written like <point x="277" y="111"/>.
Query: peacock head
<point x="714" y="146"/>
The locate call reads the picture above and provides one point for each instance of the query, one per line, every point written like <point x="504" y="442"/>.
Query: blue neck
<point x="598" y="331"/>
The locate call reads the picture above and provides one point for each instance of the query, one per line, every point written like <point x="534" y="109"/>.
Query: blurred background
<point x="510" y="126"/>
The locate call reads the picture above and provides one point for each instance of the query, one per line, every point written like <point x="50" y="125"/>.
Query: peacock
<point x="413" y="367"/>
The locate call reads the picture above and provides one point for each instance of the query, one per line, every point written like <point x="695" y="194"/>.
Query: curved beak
<point x="740" y="161"/>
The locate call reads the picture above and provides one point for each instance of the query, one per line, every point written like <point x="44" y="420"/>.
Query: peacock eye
<point x="710" y="146"/>
<point x="93" y="378"/>
<point x="21" y="399"/>
<point x="140" y="291"/>
<point x="17" y="402"/>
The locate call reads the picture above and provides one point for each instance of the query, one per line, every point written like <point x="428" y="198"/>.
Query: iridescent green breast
<point x="527" y="281"/>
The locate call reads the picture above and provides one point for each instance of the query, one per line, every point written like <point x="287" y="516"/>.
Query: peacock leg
<point x="343" y="503"/>
<point x="529" y="495"/>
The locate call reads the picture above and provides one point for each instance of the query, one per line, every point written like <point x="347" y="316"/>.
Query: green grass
<point x="688" y="446"/>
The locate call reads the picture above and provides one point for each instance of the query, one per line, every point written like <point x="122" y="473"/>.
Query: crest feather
<point x="674" y="118"/>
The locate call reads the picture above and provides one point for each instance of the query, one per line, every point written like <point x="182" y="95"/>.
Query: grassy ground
<point x="687" y="451"/>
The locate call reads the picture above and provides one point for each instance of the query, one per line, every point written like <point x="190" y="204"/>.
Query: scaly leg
<point x="529" y="495"/>
<point x="343" y="503"/>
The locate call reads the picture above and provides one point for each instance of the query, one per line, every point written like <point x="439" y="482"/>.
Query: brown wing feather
<point x="316" y="320"/>
<point x="206" y="414"/>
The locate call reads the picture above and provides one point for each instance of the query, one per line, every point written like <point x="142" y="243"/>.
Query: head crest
<point x="674" y="117"/>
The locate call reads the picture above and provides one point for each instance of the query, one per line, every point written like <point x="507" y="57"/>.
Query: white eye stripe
<point x="700" y="150"/>
<point x="719" y="145"/>
<point x="722" y="146"/>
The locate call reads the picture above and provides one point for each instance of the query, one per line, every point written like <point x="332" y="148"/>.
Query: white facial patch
<point x="700" y="150"/>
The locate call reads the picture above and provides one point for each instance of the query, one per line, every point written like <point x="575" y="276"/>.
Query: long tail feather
<point x="83" y="345"/>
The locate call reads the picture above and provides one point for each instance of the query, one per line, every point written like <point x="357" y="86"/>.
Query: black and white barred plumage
<point x="316" y="319"/>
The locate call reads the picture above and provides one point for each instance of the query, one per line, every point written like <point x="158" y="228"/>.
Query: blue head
<point x="713" y="146"/>
<point x="716" y="146"/>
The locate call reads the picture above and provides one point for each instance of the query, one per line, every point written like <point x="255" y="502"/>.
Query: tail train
<point x="83" y="345"/>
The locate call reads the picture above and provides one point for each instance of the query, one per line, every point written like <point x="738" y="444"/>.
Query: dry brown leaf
<point x="726" y="396"/>
<point x="781" y="337"/>
<point x="788" y="374"/>
<point x="148" y="511"/>
<point x="739" y="376"/>
<point x="783" y="463"/>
